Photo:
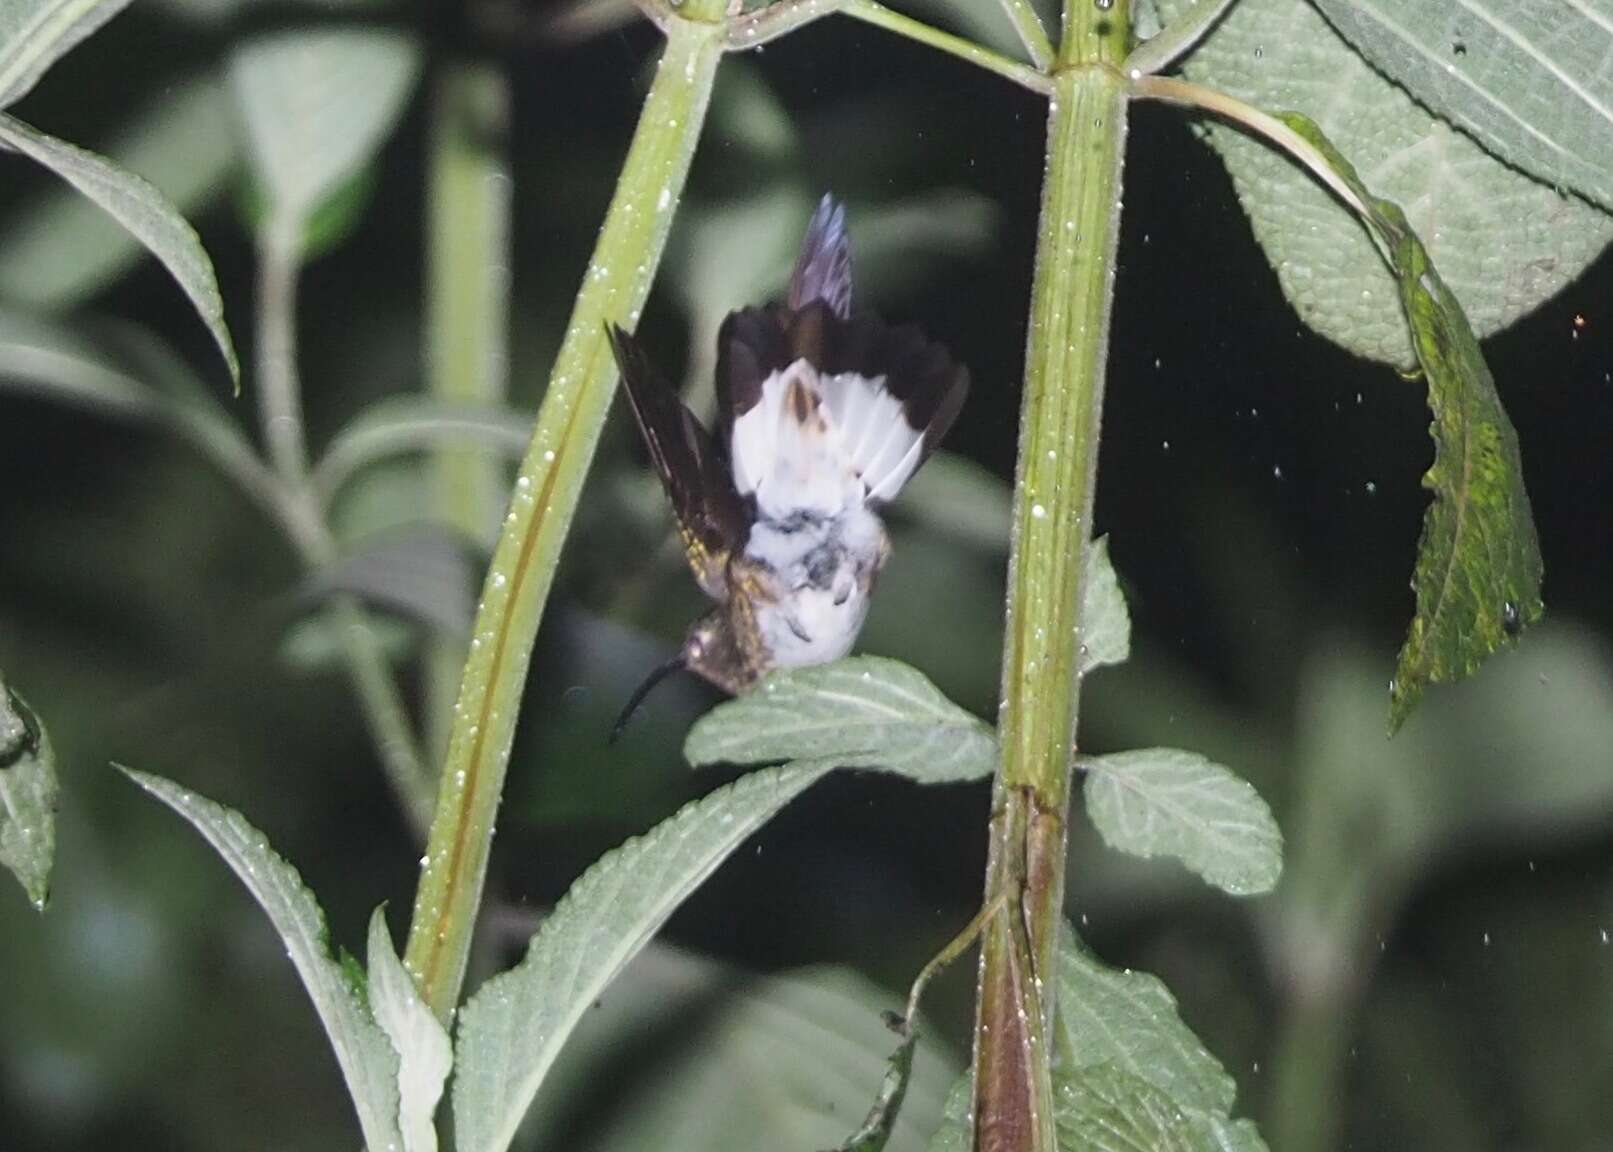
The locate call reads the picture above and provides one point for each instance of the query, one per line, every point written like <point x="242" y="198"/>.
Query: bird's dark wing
<point x="712" y="519"/>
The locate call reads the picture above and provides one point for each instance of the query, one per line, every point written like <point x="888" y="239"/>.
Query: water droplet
<point x="1038" y="512"/>
<point x="576" y="696"/>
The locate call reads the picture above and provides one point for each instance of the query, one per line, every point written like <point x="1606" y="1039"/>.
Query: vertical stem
<point x="1305" y="1105"/>
<point x="280" y="409"/>
<point x="467" y="327"/>
<point x="545" y="498"/>
<point x="279" y="390"/>
<point x="1066" y="352"/>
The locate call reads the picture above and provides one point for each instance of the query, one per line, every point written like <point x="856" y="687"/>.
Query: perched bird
<point x="822" y="417"/>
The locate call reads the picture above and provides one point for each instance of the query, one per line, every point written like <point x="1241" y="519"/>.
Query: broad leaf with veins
<point x="1504" y="243"/>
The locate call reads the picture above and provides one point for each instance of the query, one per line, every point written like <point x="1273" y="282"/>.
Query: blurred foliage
<point x="1434" y="970"/>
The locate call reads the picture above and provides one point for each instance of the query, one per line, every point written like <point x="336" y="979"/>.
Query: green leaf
<point x="512" y="1030"/>
<point x="124" y="373"/>
<point x="1478" y="562"/>
<point x="1128" y="1020"/>
<point x="1527" y="78"/>
<point x="34" y="34"/>
<point x="1131" y="1077"/>
<point x="413" y="424"/>
<point x="1105" y="622"/>
<point x="419" y="1040"/>
<point x="57" y="249"/>
<point x="685" y="1054"/>
<point x="362" y="1049"/>
<point x="316" y="106"/>
<point x="1503" y="242"/>
<point x="423" y="572"/>
<point x="864" y="711"/>
<point x="143" y="212"/>
<point x="1106" y="1109"/>
<point x="953" y="1135"/>
<point x="28" y="793"/>
<point x="1166" y="802"/>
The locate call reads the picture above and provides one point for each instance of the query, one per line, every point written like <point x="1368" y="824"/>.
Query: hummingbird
<point x="822" y="416"/>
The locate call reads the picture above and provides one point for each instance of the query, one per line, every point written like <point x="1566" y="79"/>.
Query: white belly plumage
<point x="820" y="572"/>
<point x="814" y="454"/>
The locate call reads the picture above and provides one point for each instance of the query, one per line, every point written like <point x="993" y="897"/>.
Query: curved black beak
<point x="676" y="664"/>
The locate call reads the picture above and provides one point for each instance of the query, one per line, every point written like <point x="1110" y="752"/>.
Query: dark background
<point x="1261" y="491"/>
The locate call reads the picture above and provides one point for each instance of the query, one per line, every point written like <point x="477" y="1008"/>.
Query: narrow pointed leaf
<point x="513" y="1028"/>
<point x="419" y="1040"/>
<point x="125" y="373"/>
<point x="414" y="424"/>
<point x="1504" y="242"/>
<point x="57" y="250"/>
<point x="423" y="573"/>
<point x="864" y="711"/>
<point x="28" y="793"/>
<point x="362" y="1050"/>
<point x="143" y="211"/>
<point x="34" y="34"/>
<point x="316" y="106"/>
<point x="1527" y="78"/>
<point x="1166" y="802"/>
<point x="1478" y="562"/>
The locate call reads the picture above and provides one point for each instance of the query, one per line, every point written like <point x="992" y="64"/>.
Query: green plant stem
<point x="280" y="407"/>
<point x="1306" y="1101"/>
<point x="467" y="337"/>
<point x="279" y="390"/>
<point x="550" y="479"/>
<point x="766" y="24"/>
<point x="1066" y="353"/>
